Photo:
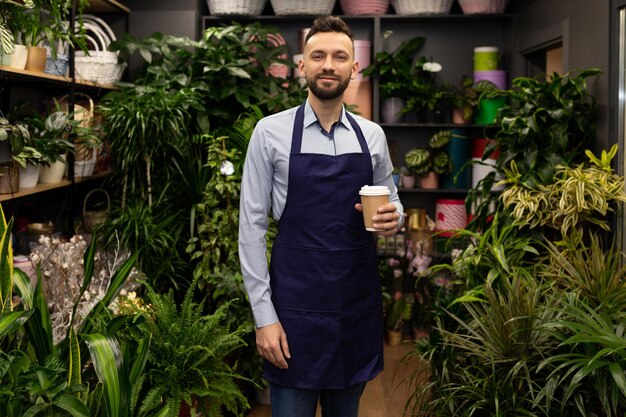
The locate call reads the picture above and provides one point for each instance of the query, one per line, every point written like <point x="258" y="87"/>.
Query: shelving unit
<point x="38" y="77"/>
<point x="40" y="188"/>
<point x="450" y="40"/>
<point x="38" y="88"/>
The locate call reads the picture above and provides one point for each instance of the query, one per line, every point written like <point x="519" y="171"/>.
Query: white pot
<point x="18" y="58"/>
<point x="29" y="176"/>
<point x="52" y="174"/>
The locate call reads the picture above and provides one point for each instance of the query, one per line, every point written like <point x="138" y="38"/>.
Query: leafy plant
<point x="187" y="359"/>
<point x="576" y="195"/>
<point x="16" y="133"/>
<point x="394" y="69"/>
<point x="433" y="157"/>
<point x="466" y="96"/>
<point x="547" y="122"/>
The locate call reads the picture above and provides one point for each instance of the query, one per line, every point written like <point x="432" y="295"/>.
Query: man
<point x="318" y="307"/>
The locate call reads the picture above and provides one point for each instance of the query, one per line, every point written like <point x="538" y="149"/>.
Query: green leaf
<point x="72" y="405"/>
<point x="109" y="365"/>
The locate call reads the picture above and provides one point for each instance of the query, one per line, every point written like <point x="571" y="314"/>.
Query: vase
<point x="429" y="181"/>
<point x="408" y="181"/>
<point x="36" y="59"/>
<point x="390" y="110"/>
<point x="29" y="176"/>
<point x="52" y="174"/>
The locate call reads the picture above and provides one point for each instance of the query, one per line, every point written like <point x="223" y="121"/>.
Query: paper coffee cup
<point x="373" y="197"/>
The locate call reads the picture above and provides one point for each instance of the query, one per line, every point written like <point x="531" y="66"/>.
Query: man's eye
<point x="317" y="56"/>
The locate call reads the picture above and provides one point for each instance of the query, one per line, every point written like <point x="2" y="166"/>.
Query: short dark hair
<point x="329" y="24"/>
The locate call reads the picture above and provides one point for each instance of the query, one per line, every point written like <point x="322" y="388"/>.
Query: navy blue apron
<point x="324" y="271"/>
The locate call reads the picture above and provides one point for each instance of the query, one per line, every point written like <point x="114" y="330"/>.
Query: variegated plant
<point x="584" y="193"/>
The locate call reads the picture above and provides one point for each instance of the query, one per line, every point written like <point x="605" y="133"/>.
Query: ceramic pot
<point x="390" y="110"/>
<point x="29" y="176"/>
<point x="9" y="178"/>
<point x="457" y="116"/>
<point x="407" y="181"/>
<point x="52" y="174"/>
<point x="18" y="58"/>
<point x="430" y="181"/>
<point x="36" y="59"/>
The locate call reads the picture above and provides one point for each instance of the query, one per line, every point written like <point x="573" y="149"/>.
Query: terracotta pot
<point x="36" y="59"/>
<point x="457" y="116"/>
<point x="408" y="181"/>
<point x="430" y="181"/>
<point x="393" y="337"/>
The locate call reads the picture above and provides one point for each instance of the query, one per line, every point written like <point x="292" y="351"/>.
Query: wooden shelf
<point x="107" y="6"/>
<point x="40" y="188"/>
<point x="26" y="75"/>
<point x="436" y="191"/>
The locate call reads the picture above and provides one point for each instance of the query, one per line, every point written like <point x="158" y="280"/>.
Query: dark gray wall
<point x="584" y="27"/>
<point x="178" y="18"/>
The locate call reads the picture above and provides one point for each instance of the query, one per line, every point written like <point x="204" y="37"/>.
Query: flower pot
<point x="390" y="110"/>
<point x="36" y="59"/>
<point x="18" y="58"/>
<point x="460" y="151"/>
<point x="29" y="176"/>
<point x="52" y="174"/>
<point x="359" y="94"/>
<point x="430" y="181"/>
<point x="9" y="178"/>
<point x="408" y="181"/>
<point x="488" y="109"/>
<point x="396" y="179"/>
<point x="457" y="116"/>
<point x="393" y="337"/>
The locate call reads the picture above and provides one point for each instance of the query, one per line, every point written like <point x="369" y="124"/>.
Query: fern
<point x="186" y="361"/>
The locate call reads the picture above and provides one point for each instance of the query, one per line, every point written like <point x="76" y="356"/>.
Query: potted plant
<point x="29" y="160"/>
<point x="547" y="122"/>
<point x="431" y="161"/>
<point x="394" y="320"/>
<point x="50" y="135"/>
<point x="394" y="71"/>
<point x="428" y="96"/>
<point x="466" y="98"/>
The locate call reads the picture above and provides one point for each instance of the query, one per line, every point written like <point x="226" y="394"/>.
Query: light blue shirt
<point x="265" y="182"/>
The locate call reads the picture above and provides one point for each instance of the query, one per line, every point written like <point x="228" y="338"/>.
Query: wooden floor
<point x="385" y="396"/>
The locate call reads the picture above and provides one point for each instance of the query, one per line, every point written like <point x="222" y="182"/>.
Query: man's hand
<point x="385" y="220"/>
<point x="271" y="341"/>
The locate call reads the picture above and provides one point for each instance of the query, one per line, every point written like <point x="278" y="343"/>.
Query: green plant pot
<point x="487" y="110"/>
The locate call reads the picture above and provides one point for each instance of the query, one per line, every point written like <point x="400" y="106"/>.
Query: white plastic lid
<point x="374" y="190"/>
<point x="486" y="49"/>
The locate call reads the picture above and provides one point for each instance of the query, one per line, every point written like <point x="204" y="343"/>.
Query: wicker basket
<point x="302" y="7"/>
<point x="81" y="113"/>
<point x="236" y="7"/>
<point x="94" y="218"/>
<point x="483" y="6"/>
<point x="98" y="65"/>
<point x="419" y="7"/>
<point x="364" y="7"/>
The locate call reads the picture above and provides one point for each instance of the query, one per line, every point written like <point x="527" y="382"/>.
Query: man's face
<point x="328" y="64"/>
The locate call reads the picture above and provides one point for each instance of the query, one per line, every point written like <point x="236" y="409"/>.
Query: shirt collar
<point x="310" y="117"/>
